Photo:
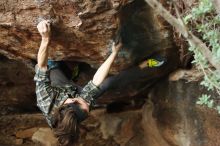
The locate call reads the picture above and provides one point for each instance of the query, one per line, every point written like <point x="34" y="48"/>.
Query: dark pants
<point x="120" y="81"/>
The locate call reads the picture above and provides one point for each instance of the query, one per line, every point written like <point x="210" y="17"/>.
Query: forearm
<point x="42" y="56"/>
<point x="103" y="70"/>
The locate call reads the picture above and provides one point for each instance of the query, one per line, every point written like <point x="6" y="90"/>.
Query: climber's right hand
<point x="116" y="47"/>
<point x="44" y="29"/>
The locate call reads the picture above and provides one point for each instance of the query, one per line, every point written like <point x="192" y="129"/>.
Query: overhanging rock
<point x="82" y="30"/>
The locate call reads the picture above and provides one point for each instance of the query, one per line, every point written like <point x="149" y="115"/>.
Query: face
<point x="81" y="102"/>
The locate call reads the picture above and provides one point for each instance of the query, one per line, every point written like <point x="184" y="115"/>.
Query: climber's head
<point x="66" y="122"/>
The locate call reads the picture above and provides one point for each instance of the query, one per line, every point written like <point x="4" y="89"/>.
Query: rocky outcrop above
<point x="82" y="30"/>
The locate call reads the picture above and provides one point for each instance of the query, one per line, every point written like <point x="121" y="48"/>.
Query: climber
<point x="65" y="104"/>
<point x="62" y="111"/>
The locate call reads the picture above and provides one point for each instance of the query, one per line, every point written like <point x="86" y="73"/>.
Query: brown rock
<point x="10" y="124"/>
<point x="45" y="137"/>
<point x="16" y="87"/>
<point x="82" y="30"/>
<point x="19" y="141"/>
<point x="168" y="121"/>
<point x="124" y="128"/>
<point x="152" y="134"/>
<point x="191" y="75"/>
<point x="27" y="133"/>
<point x="110" y="125"/>
<point x="179" y="120"/>
<point x="126" y="132"/>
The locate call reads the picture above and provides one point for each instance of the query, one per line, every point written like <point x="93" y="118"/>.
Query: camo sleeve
<point x="90" y="93"/>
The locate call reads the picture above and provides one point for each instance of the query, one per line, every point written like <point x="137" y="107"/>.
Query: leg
<point x="137" y="74"/>
<point x="57" y="75"/>
<point x="120" y="80"/>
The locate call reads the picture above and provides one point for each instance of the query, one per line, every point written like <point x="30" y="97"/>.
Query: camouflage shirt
<point x="49" y="97"/>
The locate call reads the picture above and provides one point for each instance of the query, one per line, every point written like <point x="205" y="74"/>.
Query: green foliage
<point x="218" y="109"/>
<point x="206" y="100"/>
<point x="205" y="22"/>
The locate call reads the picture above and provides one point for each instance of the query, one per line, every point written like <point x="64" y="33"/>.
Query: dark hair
<point x="66" y="126"/>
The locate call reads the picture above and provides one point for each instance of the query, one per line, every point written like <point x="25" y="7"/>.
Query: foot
<point x="152" y="63"/>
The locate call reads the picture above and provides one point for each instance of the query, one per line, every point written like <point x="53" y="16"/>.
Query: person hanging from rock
<point x="65" y="104"/>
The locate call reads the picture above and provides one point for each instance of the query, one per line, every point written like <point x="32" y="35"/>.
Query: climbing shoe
<point x="153" y="62"/>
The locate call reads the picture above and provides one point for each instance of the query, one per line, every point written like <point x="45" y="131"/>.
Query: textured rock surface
<point x="82" y="30"/>
<point x="44" y="136"/>
<point x="16" y="87"/>
<point x="180" y="121"/>
<point x="11" y="125"/>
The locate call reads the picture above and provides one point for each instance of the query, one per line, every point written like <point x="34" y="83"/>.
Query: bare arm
<point x="103" y="70"/>
<point x="42" y="57"/>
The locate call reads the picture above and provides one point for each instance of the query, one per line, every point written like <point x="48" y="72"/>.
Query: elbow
<point x="96" y="81"/>
<point x="42" y="67"/>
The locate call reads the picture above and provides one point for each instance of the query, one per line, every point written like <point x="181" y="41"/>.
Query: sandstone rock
<point x="167" y="121"/>
<point x="16" y="87"/>
<point x="109" y="126"/>
<point x="152" y="134"/>
<point x="27" y="133"/>
<point x="183" y="74"/>
<point x="179" y="120"/>
<point x="122" y="127"/>
<point x="45" y="137"/>
<point x="82" y="30"/>
<point x="19" y="141"/>
<point x="9" y="124"/>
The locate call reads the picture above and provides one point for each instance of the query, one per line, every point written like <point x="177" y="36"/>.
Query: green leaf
<point x="218" y="109"/>
<point x="210" y="103"/>
<point x="187" y="18"/>
<point x="203" y="99"/>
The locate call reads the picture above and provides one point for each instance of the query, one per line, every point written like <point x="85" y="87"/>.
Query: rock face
<point x="180" y="121"/>
<point x="83" y="30"/>
<point x="17" y="129"/>
<point x="16" y="87"/>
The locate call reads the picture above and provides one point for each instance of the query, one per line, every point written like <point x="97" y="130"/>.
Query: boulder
<point x="26" y="133"/>
<point x="17" y="89"/>
<point x="180" y="121"/>
<point x="19" y="128"/>
<point x="83" y="30"/>
<point x="45" y="137"/>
